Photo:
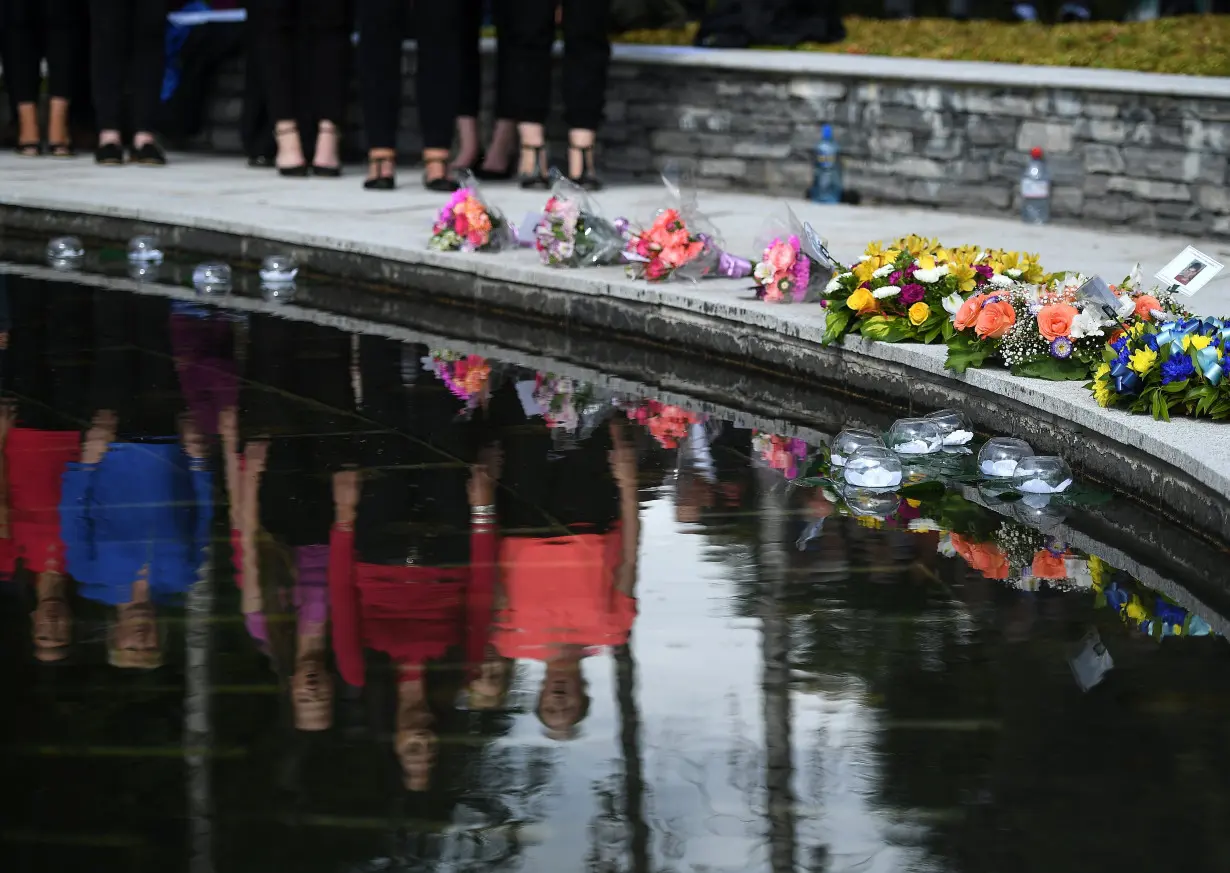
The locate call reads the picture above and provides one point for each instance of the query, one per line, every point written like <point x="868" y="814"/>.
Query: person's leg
<point x="23" y="21"/>
<point x="148" y="63"/>
<point x="256" y="125"/>
<point x="469" y="85"/>
<point x="280" y="20"/>
<point x="63" y="18"/>
<point x="439" y="68"/>
<point x="381" y="26"/>
<point x="504" y="133"/>
<point x="530" y="31"/>
<point x="325" y="28"/>
<point x="110" y="37"/>
<point x="587" y="58"/>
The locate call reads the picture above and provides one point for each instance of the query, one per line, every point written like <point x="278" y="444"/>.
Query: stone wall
<point x="1133" y="151"/>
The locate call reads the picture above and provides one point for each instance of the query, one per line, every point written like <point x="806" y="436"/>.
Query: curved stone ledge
<point x="1181" y="468"/>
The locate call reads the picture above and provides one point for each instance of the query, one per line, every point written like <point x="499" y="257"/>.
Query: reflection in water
<point x="279" y="596"/>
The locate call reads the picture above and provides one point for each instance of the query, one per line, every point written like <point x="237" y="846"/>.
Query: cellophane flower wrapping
<point x="573" y="232"/>
<point x="469" y="223"/>
<point x="467" y="377"/>
<point x="680" y="243"/>
<point x="794" y="266"/>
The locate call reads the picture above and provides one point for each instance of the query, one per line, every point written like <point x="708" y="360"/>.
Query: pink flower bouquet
<point x="573" y="233"/>
<point x="468" y="223"/>
<point x="465" y="376"/>
<point x="794" y="266"/>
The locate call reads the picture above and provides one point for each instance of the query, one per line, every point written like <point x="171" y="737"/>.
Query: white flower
<point x="1126" y="306"/>
<point x="886" y="270"/>
<point x="764" y="273"/>
<point x="1135" y="277"/>
<point x="1014" y="272"/>
<point x="953" y="302"/>
<point x="864" y="259"/>
<point x="885" y="292"/>
<point x="1041" y="486"/>
<point x="1086" y="323"/>
<point x="945" y="547"/>
<point x="834" y="284"/>
<point x="1072" y="281"/>
<point x="930" y="277"/>
<point x="999" y="280"/>
<point x="958" y="438"/>
<point x="564" y="250"/>
<point x="923" y="525"/>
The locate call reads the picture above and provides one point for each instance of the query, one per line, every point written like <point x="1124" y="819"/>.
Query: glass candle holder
<point x="144" y="249"/>
<point x="873" y="502"/>
<point x="999" y="457"/>
<point x="849" y="441"/>
<point x="64" y="249"/>
<point x="1042" y="474"/>
<point x="873" y="467"/>
<point x="212" y="277"/>
<point x="954" y="427"/>
<point x="915" y="436"/>
<point x="279" y="269"/>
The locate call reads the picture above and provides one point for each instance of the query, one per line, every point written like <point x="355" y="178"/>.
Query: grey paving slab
<point x="222" y="195"/>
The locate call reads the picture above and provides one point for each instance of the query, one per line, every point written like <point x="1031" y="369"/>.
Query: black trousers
<point x="38" y="29"/>
<point x="256" y="125"/>
<point x="530" y="32"/>
<point x="127" y="57"/>
<point x="439" y="26"/>
<point x="306" y="48"/>
<point x="471" y="85"/>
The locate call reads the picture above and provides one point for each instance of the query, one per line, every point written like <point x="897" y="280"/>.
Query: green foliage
<point x="965" y="351"/>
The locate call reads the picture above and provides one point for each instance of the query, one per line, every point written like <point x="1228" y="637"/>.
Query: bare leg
<point x="467" y="139"/>
<point x="503" y="140"/>
<point x="533" y="151"/>
<point x="27" y="125"/>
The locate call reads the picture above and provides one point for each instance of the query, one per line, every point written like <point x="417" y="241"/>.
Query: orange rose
<point x="968" y="313"/>
<point x="986" y="558"/>
<point x="1055" y="320"/>
<point x="1049" y="566"/>
<point x="1145" y="304"/>
<point x="995" y="320"/>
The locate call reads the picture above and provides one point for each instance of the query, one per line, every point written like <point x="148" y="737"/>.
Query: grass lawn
<point x="1198" y="45"/>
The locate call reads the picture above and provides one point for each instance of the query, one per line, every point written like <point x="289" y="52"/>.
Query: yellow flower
<point x="1098" y="569"/>
<point x="1142" y="360"/>
<point x="1177" y="630"/>
<point x="925" y="262"/>
<point x="964" y="274"/>
<point x="914" y="504"/>
<point x="876" y="252"/>
<point x="1031" y="268"/>
<point x="919" y="313"/>
<point x="864" y="270"/>
<point x="1137" y="329"/>
<point x="1136" y="610"/>
<point x="915" y="244"/>
<point x="861" y="300"/>
<point x="1195" y="342"/>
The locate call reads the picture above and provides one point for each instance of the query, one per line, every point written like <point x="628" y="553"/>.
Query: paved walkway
<point x="223" y="189"/>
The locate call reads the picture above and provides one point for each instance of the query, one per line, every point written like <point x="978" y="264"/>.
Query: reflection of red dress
<point x="35" y="461"/>
<point x="412" y="613"/>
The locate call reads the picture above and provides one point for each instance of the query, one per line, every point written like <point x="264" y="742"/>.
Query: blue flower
<point x="1061" y="347"/>
<point x="1151" y="341"/>
<point x="1120" y="345"/>
<point x="1169" y="612"/>
<point x="1116" y="597"/>
<point x="1178" y="368"/>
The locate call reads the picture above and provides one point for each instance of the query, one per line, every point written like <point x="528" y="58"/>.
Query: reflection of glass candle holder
<point x="849" y="441"/>
<point x="873" y="467"/>
<point x="1042" y="474"/>
<point x="1037" y="511"/>
<point x="144" y="271"/>
<point x="65" y="252"/>
<point x="279" y="269"/>
<point x="999" y="457"/>
<point x="144" y="249"/>
<point x="212" y="277"/>
<point x="915" y="436"/>
<point x="875" y="502"/>
<point x="280" y="292"/>
<point x="954" y="427"/>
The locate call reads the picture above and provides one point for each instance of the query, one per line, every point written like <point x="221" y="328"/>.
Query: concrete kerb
<point x="1183" y="467"/>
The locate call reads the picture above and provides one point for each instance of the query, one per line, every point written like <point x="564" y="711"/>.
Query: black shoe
<point x="537" y="180"/>
<point x="29" y="149"/>
<point x="377" y="180"/>
<point x="289" y="129"/>
<point x="587" y="180"/>
<point x="61" y="150"/>
<point x="109" y="155"/>
<point x="298" y="172"/>
<point x="484" y="175"/>
<point x="149" y="155"/>
<point x="326" y="172"/>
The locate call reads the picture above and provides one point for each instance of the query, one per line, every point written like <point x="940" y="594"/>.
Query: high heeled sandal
<point x="324" y="170"/>
<point x="587" y="180"/>
<point x="61" y="150"/>
<point x="538" y="179"/>
<point x="482" y="174"/>
<point x="444" y="183"/>
<point x="299" y="170"/>
<point x="376" y="179"/>
<point x="29" y="149"/>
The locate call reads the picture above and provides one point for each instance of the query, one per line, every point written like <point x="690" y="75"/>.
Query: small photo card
<point x="1189" y="272"/>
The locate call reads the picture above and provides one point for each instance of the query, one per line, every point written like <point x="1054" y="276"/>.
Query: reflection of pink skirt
<point x="311" y="594"/>
<point x="206" y="367"/>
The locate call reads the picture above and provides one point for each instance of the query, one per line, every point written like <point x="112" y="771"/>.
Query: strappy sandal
<point x="29" y="149"/>
<point x="327" y="128"/>
<point x="61" y="150"/>
<point x="587" y="179"/>
<point x="377" y="179"/>
<point x="290" y="129"/>
<point x="537" y="179"/>
<point x="443" y="183"/>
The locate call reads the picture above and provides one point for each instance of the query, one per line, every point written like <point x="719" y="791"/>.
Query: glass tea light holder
<point x="65" y="252"/>
<point x="915" y="436"/>
<point x="279" y="269"/>
<point x="954" y="426"/>
<point x="873" y="502"/>
<point x="212" y="277"/>
<point x="144" y="250"/>
<point x="873" y="467"/>
<point x="1042" y="475"/>
<point x="999" y="457"/>
<point x="849" y="441"/>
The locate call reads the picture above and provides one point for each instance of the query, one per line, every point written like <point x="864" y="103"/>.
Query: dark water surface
<point x="251" y="622"/>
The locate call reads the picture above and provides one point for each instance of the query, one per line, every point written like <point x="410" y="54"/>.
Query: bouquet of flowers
<point x="666" y="423"/>
<point x="907" y="291"/>
<point x="785" y="454"/>
<point x="569" y="405"/>
<point x="465" y="376"/>
<point x="1164" y="368"/>
<point x="1142" y="608"/>
<point x="573" y="233"/>
<point x="681" y="242"/>
<point x="794" y="266"/>
<point x="468" y="223"/>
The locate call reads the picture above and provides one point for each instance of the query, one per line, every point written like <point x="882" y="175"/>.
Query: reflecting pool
<point x="282" y="592"/>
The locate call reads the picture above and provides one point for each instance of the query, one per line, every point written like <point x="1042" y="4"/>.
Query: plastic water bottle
<point x="826" y="185"/>
<point x="1036" y="190"/>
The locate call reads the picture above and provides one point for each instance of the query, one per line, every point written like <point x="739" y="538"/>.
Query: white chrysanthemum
<point x="834" y="284"/>
<point x="999" y="280"/>
<point x="930" y="277"/>
<point x="763" y="273"/>
<point x="1014" y="272"/>
<point x="886" y="270"/>
<point x="1086" y="323"/>
<point x="885" y="292"/>
<point x="953" y="302"/>
<point x="923" y="525"/>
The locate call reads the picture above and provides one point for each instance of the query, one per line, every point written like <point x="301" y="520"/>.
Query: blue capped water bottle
<point x="826" y="184"/>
